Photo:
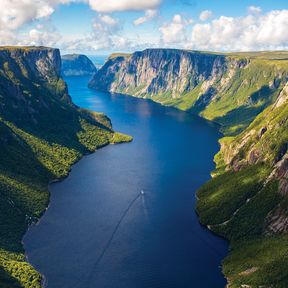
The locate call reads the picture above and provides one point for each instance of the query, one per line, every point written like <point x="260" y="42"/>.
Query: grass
<point x="116" y="55"/>
<point x="42" y="133"/>
<point x="247" y="95"/>
<point x="235" y="204"/>
<point x="268" y="255"/>
<point x="250" y="219"/>
<point x="253" y="81"/>
<point x="255" y="259"/>
<point x="216" y="195"/>
<point x="120" y="138"/>
<point x="23" y="48"/>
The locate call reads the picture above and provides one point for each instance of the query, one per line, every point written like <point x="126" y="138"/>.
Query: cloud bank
<point x="108" y="6"/>
<point x="257" y="30"/>
<point x="252" y="32"/>
<point x="174" y="33"/>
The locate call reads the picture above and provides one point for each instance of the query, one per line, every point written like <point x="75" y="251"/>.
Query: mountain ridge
<point x="77" y="65"/>
<point x="42" y="134"/>
<point x="181" y="82"/>
<point x="246" y="93"/>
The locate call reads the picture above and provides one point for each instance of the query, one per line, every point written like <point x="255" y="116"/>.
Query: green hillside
<point x="42" y="133"/>
<point x="246" y="201"/>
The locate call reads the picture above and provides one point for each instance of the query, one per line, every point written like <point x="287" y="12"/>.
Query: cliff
<point x="246" y="93"/>
<point x="157" y="72"/>
<point x="77" y="65"/>
<point x="250" y="187"/>
<point x="42" y="133"/>
<point x="230" y="89"/>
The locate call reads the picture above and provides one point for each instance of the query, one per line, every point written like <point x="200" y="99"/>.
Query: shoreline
<point x="219" y="126"/>
<point x="44" y="281"/>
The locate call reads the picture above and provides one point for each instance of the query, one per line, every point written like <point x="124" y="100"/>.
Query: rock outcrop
<point x="156" y="72"/>
<point x="42" y="133"/>
<point x="77" y="65"/>
<point x="219" y="87"/>
<point x="29" y="77"/>
<point x="246" y="93"/>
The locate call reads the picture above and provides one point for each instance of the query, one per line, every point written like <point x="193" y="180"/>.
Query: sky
<point x="106" y="26"/>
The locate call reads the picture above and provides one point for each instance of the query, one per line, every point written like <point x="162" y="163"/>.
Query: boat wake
<point x="106" y="247"/>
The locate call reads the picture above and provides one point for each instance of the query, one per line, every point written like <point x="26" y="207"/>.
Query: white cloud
<point x="149" y="15"/>
<point x="107" y="38"/>
<point x="107" y="6"/>
<point x="45" y="35"/>
<point x="41" y="37"/>
<point x="15" y="13"/>
<point x="7" y="37"/>
<point x="174" y="33"/>
<point x="255" y="31"/>
<point x="104" y="29"/>
<point x="104" y="36"/>
<point x="252" y="32"/>
<point x="109" y="20"/>
<point x="254" y="10"/>
<point x="205" y="15"/>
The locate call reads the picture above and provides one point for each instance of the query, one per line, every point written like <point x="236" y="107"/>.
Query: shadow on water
<point x="99" y="231"/>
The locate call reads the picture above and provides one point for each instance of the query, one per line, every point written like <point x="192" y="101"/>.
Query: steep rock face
<point x="283" y="97"/>
<point x="42" y="133"/>
<point x="230" y="89"/>
<point x="77" y="65"/>
<point x="247" y="199"/>
<point x="30" y="79"/>
<point x="254" y="164"/>
<point x="155" y="72"/>
<point x="41" y="62"/>
<point x="265" y="140"/>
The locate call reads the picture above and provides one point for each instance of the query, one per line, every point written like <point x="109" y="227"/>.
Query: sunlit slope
<point x="246" y="201"/>
<point x="42" y="133"/>
<point x="230" y="88"/>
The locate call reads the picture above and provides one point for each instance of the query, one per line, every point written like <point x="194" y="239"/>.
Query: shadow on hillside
<point x="6" y="281"/>
<point x="238" y="119"/>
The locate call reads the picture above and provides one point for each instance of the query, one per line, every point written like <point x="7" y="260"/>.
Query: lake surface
<point x="100" y="232"/>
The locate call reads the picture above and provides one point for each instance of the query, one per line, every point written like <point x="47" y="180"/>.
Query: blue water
<point x="158" y="242"/>
<point x="98" y="60"/>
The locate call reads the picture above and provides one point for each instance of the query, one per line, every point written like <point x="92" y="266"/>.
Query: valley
<point x="246" y="93"/>
<point x="42" y="134"/>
